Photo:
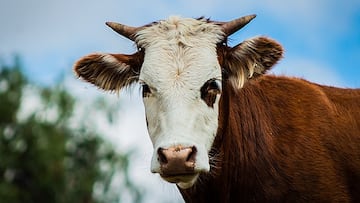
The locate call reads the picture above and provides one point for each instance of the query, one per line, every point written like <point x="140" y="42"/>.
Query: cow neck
<point x="242" y="166"/>
<point x="245" y="132"/>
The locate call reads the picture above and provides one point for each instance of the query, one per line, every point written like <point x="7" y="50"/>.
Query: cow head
<point x="181" y="64"/>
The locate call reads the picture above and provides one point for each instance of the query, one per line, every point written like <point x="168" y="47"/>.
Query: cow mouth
<point x="187" y="179"/>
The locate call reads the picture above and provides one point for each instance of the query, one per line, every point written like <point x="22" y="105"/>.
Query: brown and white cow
<point x="225" y="132"/>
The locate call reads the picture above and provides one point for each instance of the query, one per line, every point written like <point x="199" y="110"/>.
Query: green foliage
<point x="42" y="159"/>
<point x="11" y="84"/>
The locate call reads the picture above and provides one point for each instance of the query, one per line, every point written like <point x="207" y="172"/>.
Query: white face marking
<point x="180" y="57"/>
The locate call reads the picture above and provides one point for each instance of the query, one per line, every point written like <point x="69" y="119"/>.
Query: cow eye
<point x="209" y="91"/>
<point x="146" y="91"/>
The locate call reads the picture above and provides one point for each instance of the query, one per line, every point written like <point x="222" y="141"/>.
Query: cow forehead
<point x="180" y="52"/>
<point x="175" y="29"/>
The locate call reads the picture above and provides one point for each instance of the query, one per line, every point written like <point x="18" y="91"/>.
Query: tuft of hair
<point x="110" y="72"/>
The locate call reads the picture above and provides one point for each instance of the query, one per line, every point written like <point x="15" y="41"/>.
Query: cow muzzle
<point x="177" y="164"/>
<point x="177" y="160"/>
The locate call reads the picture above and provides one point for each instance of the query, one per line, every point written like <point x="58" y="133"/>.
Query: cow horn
<point x="124" y="30"/>
<point x="231" y="27"/>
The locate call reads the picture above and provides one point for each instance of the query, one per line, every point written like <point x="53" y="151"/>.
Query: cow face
<point x="181" y="79"/>
<point x="179" y="65"/>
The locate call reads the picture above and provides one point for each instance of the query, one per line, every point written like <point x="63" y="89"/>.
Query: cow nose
<point x="177" y="160"/>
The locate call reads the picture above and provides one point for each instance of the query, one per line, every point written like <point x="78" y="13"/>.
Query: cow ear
<point x="251" y="59"/>
<point x="109" y="71"/>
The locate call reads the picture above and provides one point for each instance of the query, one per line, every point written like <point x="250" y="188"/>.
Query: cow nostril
<point x="162" y="158"/>
<point x="192" y="155"/>
<point x="177" y="156"/>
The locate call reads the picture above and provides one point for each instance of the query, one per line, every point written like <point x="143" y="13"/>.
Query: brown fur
<point x="249" y="59"/>
<point x="109" y="75"/>
<point x="284" y="140"/>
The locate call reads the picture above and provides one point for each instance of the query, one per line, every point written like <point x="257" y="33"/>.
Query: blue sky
<point x="321" y="38"/>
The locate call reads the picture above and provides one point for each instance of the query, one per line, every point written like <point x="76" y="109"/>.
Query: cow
<point x="225" y="131"/>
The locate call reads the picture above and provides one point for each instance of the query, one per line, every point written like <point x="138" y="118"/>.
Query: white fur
<point x="180" y="56"/>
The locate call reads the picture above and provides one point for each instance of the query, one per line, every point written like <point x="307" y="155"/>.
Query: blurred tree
<point x="43" y="159"/>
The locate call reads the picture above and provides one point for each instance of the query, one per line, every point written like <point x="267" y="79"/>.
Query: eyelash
<point x="209" y="92"/>
<point x="146" y="91"/>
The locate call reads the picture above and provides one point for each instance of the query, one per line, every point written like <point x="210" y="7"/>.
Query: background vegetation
<point x="44" y="157"/>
